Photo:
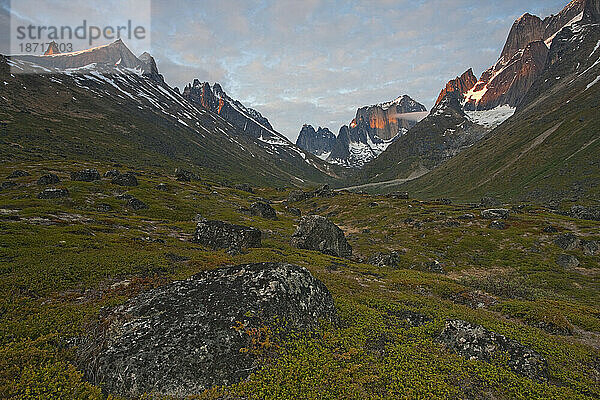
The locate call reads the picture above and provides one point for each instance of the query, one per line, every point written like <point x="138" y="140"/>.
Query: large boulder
<point x="567" y="241"/>
<point x="567" y="261"/>
<point x="86" y="175"/>
<point x="222" y="235"/>
<point x="495" y="213"/>
<point x="474" y="342"/>
<point x="318" y="233"/>
<point x="590" y="248"/>
<point x="262" y="209"/>
<point x="185" y="337"/>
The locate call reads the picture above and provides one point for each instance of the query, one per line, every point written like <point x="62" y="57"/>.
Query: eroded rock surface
<point x="187" y="336"/>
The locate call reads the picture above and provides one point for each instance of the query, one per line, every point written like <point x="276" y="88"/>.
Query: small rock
<point x="567" y="241"/>
<point x="163" y="187"/>
<point x="446" y="202"/>
<point x="112" y="173"/>
<point x="488" y="202"/>
<point x="567" y="261"/>
<point x="590" y="248"/>
<point x="398" y="195"/>
<point x="86" y="175"/>
<point x="183" y="175"/>
<point x="136" y="204"/>
<point x="373" y="204"/>
<point x="466" y="216"/>
<point x="17" y="174"/>
<point x="475" y="299"/>
<point x="244" y="187"/>
<point x="127" y="179"/>
<point x="496" y="224"/>
<point x="7" y="185"/>
<point x="391" y="260"/>
<point x="294" y="211"/>
<point x="323" y="191"/>
<point x="104" y="207"/>
<point x="550" y="229"/>
<point x="298" y="195"/>
<point x="222" y="235"/>
<point x="435" y="266"/>
<point x="262" y="209"/>
<point x="495" y="213"/>
<point x="48" y="179"/>
<point x="475" y="342"/>
<point x="413" y="318"/>
<point x="53" y="193"/>
<point x="318" y="233"/>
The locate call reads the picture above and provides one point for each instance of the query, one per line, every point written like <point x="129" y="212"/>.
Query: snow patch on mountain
<point x="491" y="118"/>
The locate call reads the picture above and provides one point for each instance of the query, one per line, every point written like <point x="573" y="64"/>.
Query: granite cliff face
<point x="462" y="84"/>
<point x="371" y="131"/>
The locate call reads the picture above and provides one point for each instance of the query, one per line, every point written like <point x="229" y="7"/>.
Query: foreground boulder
<point x="262" y="209"/>
<point x="474" y="342"/>
<point x="318" y="233"/>
<point x="53" y="193"/>
<point x="185" y="337"/>
<point x="222" y="235"/>
<point x="86" y="175"/>
<point x="48" y="179"/>
<point x="495" y="213"/>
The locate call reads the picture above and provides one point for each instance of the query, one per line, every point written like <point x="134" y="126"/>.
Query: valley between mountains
<point x="170" y="243"/>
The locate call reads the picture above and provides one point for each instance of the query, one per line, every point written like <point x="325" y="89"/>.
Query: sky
<point x="317" y="61"/>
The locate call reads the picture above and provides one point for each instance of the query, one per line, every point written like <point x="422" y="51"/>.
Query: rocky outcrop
<point x="86" y="175"/>
<point x="262" y="209"/>
<point x="187" y="336"/>
<point x="474" y="342"/>
<point x="319" y="142"/>
<point x="461" y="85"/>
<point x="222" y="235"/>
<point x="318" y="233"/>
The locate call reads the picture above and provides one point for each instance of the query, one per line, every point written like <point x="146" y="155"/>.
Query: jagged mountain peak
<point x="461" y="84"/>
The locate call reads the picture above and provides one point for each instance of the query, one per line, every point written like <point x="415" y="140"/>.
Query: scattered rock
<point x="474" y="342"/>
<point x="7" y="185"/>
<point x="104" y="207"/>
<point x="582" y="212"/>
<point x="435" y="266"/>
<point x="488" y="202"/>
<point x="446" y="202"/>
<point x="262" y="209"/>
<point x="567" y="241"/>
<point x="550" y="229"/>
<point x="391" y="260"/>
<point x="183" y="175"/>
<point x="413" y="318"/>
<point x="590" y="248"/>
<point x="244" y="187"/>
<point x="222" y="235"/>
<point x="18" y="173"/>
<point x="318" y="233"/>
<point x="294" y="211"/>
<point x="495" y="213"/>
<point x="136" y="204"/>
<point x="112" y="173"/>
<point x="323" y="191"/>
<point x="86" y="175"/>
<point x="475" y="299"/>
<point x="126" y="179"/>
<point x="188" y="336"/>
<point x="397" y="195"/>
<point x="298" y="195"/>
<point x="48" y="179"/>
<point x="163" y="187"/>
<point x="373" y="204"/>
<point x="567" y="261"/>
<point x="53" y="193"/>
<point x="467" y="216"/>
<point x="125" y="196"/>
<point x="496" y="224"/>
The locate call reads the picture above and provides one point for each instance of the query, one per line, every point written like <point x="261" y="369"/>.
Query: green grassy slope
<point x="62" y="260"/>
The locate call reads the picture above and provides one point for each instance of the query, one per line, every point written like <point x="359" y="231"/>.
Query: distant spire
<point x="52" y="49"/>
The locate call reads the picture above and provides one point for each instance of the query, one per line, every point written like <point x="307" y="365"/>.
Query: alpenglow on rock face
<point x="318" y="233"/>
<point x="185" y="337"/>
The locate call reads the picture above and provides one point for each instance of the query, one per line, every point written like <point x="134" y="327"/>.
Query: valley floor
<point x="63" y="260"/>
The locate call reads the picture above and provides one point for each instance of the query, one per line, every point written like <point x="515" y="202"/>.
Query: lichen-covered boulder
<point x="495" y="213"/>
<point x="223" y="235"/>
<point x="567" y="261"/>
<point x="262" y="209"/>
<point x="318" y="233"/>
<point x="86" y="175"/>
<point x="474" y="342"/>
<point x="188" y="336"/>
